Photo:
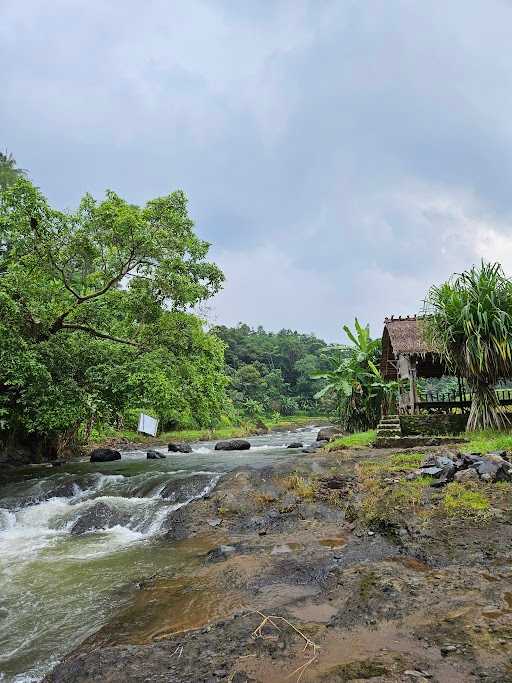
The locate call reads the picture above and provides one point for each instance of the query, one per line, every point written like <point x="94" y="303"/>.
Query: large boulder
<point x="182" y="490"/>
<point x="328" y="433"/>
<point x="179" y="447"/>
<point x="233" y="445"/>
<point x="104" y="455"/>
<point x="98" y="516"/>
<point x="154" y="455"/>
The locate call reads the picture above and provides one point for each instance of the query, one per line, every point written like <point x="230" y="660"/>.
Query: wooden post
<point x="460" y="395"/>
<point x="413" y="391"/>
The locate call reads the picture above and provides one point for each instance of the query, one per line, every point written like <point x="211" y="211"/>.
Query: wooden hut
<point x="406" y="355"/>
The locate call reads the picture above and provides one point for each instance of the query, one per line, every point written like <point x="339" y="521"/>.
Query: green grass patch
<point x="399" y="462"/>
<point x="357" y="440"/>
<point x="465" y="501"/>
<point x="386" y="506"/>
<point x="489" y="440"/>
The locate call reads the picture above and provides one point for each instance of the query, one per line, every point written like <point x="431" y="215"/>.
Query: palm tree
<point x="9" y="172"/>
<point x="469" y="323"/>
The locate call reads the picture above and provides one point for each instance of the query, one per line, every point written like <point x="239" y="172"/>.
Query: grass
<point x="357" y="440"/>
<point x="464" y="501"/>
<point x="385" y="506"/>
<point x="489" y="440"/>
<point x="399" y="462"/>
<point x="302" y="487"/>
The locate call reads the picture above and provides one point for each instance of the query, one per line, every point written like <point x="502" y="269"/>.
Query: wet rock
<point x="233" y="445"/>
<point x="104" y="455"/>
<point x="99" y="516"/>
<point x="179" y="447"/>
<point x="327" y="433"/>
<point x="222" y="552"/>
<point x="309" y="449"/>
<point x="154" y="455"/>
<point x="295" y="444"/>
<point x="182" y="490"/>
<point x="66" y="490"/>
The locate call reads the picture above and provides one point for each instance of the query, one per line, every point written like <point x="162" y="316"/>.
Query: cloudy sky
<point x="339" y="155"/>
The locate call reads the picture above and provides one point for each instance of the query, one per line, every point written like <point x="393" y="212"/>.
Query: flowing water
<point x="74" y="542"/>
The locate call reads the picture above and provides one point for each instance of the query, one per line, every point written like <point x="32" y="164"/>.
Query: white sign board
<point x="147" y="425"/>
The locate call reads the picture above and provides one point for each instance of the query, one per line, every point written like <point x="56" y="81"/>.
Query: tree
<point x="469" y="323"/>
<point x="93" y="313"/>
<point x="9" y="172"/>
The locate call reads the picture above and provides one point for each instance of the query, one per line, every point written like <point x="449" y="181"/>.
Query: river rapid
<point x="60" y="577"/>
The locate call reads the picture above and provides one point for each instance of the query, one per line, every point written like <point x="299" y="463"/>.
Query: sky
<point x="341" y="156"/>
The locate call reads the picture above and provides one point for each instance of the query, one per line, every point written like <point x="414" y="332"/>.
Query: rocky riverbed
<point x="345" y="566"/>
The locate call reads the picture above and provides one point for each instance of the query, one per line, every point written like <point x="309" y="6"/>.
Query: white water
<point x="57" y="587"/>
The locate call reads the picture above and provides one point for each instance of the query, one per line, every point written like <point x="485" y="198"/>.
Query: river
<point x="60" y="578"/>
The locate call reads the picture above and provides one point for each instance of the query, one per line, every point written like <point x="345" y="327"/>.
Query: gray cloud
<point x="340" y="155"/>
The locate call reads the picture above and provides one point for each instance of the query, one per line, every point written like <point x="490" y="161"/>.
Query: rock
<point x="65" y="490"/>
<point x="214" y="521"/>
<point x="154" y="455"/>
<point x="179" y="447"/>
<point x="430" y="471"/>
<point x="295" y="444"/>
<point x="182" y="490"/>
<point x="464" y="476"/>
<point x="233" y="445"/>
<point x="104" y="455"/>
<point x="327" y="433"/>
<point x="222" y="552"/>
<point x="490" y="470"/>
<point x="310" y="449"/>
<point x="98" y="516"/>
<point x="447" y="649"/>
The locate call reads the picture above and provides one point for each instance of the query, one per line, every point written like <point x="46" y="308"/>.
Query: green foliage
<point x="469" y="321"/>
<point x="356" y="382"/>
<point x="9" y="171"/>
<point x="93" y="321"/>
<point x="272" y="370"/>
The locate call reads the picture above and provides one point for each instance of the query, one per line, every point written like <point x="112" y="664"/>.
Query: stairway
<point x="389" y="427"/>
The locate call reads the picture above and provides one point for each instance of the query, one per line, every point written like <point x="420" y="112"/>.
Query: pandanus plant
<point x="469" y="323"/>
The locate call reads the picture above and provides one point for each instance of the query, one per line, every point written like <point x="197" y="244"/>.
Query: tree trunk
<point x="486" y="412"/>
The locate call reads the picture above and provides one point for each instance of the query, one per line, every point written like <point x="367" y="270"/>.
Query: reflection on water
<point x="74" y="544"/>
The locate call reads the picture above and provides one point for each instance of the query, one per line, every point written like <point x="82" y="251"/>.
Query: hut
<point x="406" y="356"/>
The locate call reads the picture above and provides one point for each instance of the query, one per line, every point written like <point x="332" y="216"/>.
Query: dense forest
<point x="97" y="324"/>
<point x="273" y="371"/>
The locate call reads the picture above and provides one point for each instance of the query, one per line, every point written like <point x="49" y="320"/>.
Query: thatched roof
<point x="403" y="335"/>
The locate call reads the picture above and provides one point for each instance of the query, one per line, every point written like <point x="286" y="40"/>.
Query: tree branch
<point x="96" y="333"/>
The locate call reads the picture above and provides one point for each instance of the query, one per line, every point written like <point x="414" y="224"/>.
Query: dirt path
<point x="365" y="575"/>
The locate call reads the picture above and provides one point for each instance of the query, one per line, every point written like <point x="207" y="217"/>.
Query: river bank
<point x="322" y="567"/>
<point x="130" y="439"/>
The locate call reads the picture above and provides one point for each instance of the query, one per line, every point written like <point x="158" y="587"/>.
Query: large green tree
<point x="469" y="322"/>
<point x="93" y="313"/>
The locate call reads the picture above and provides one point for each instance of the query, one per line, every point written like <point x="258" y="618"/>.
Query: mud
<point x="421" y="598"/>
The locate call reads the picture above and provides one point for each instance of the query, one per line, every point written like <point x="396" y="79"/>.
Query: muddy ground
<point x="363" y="575"/>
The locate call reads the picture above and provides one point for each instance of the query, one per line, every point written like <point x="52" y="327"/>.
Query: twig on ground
<point x="271" y="619"/>
<point x="178" y="649"/>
